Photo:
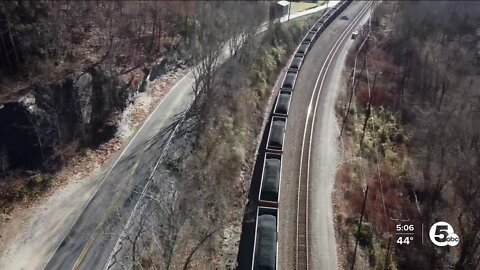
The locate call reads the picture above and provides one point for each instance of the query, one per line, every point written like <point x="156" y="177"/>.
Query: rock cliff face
<point x="82" y="107"/>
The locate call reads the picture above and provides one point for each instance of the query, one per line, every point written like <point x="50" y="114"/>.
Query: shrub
<point x="277" y="54"/>
<point x="238" y="154"/>
<point x="365" y="235"/>
<point x="39" y="181"/>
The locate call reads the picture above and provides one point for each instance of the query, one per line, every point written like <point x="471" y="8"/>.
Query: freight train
<point x="265" y="247"/>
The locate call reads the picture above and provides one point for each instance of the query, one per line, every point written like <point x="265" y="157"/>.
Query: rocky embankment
<point x="47" y="124"/>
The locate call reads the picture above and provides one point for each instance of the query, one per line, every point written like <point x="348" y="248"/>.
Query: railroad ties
<point x="265" y="247"/>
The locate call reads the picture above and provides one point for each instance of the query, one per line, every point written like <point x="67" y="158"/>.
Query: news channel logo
<point x="442" y="234"/>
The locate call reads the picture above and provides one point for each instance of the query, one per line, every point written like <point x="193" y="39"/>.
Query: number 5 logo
<point x="442" y="234"/>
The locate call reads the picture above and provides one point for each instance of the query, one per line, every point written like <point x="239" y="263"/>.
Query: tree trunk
<point x="369" y="112"/>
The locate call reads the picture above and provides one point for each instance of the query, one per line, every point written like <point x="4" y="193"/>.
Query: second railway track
<point x="302" y="252"/>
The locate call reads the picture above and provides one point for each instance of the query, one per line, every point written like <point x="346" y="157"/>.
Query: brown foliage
<point x="426" y="78"/>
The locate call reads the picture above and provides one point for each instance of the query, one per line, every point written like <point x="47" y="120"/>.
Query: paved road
<point x="91" y="239"/>
<point x="322" y="253"/>
<point x="92" y="236"/>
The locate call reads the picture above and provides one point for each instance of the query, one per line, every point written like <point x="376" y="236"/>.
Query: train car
<point x="329" y="17"/>
<point x="324" y="20"/>
<point x="296" y="62"/>
<point x="336" y="11"/>
<point x="344" y="5"/>
<point x="318" y="27"/>
<point x="310" y="37"/>
<point x="339" y="7"/>
<point x="289" y="80"/>
<point x="271" y="179"/>
<point x="282" y="105"/>
<point x="265" y="246"/>
<point x="276" y="135"/>
<point x="303" y="49"/>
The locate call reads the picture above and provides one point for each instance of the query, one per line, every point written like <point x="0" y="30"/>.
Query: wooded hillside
<point x="69" y="69"/>
<point x="411" y="117"/>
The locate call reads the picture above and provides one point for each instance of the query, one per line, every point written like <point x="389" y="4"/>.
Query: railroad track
<point x="302" y="210"/>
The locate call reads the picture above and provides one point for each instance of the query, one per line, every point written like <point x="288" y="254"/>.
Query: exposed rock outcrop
<point x="83" y="107"/>
<point x="80" y="107"/>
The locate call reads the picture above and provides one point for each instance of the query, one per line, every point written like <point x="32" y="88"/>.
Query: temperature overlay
<point x="407" y="233"/>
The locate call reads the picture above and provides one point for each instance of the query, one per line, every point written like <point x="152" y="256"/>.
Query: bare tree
<point x="135" y="238"/>
<point x="210" y="41"/>
<point x="4" y="161"/>
<point x="204" y="236"/>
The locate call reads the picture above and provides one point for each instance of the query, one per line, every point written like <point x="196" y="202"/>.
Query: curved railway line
<point x="302" y="210"/>
<point x="294" y="238"/>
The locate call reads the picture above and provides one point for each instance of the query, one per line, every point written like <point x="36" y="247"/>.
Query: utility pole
<point x="345" y="118"/>
<point x="369" y="111"/>
<point x="289" y="8"/>
<point x="393" y="16"/>
<point x="388" y="253"/>
<point x="359" y="226"/>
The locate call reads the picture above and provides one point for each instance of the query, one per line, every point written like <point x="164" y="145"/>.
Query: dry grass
<point x="301" y="6"/>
